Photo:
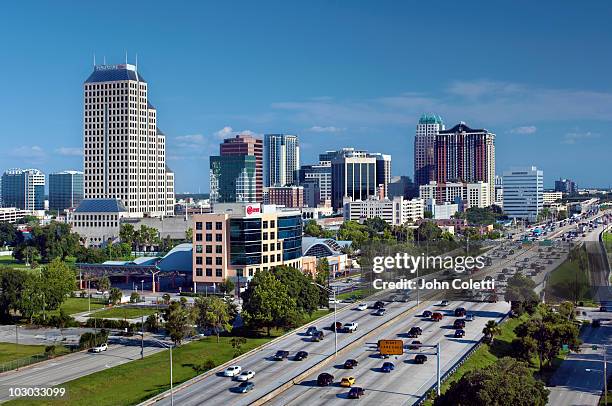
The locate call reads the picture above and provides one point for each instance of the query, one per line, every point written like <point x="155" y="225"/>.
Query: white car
<point x="444" y="303"/>
<point x="351" y="327"/>
<point x="232" y="371"/>
<point x="362" y="306"/>
<point x="100" y="348"/>
<point x="245" y="376"/>
<point x="469" y="317"/>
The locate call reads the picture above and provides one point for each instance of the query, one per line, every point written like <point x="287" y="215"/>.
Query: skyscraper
<point x="125" y="152"/>
<point x="65" y="190"/>
<point x="523" y="193"/>
<point x="565" y="186"/>
<point x="463" y="154"/>
<point x="244" y="144"/>
<point x="281" y="159"/>
<point x="233" y="179"/>
<point x="424" y="158"/>
<point x="23" y="189"/>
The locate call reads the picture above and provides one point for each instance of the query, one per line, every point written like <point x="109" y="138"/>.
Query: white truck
<point x="351" y="327"/>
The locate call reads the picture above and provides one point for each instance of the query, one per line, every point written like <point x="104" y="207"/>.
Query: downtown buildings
<point x="281" y="159"/>
<point x="66" y="190"/>
<point x="523" y="193"/>
<point x="23" y="189"/>
<point x="396" y="211"/>
<point x="125" y="152"/>
<point x="427" y="129"/>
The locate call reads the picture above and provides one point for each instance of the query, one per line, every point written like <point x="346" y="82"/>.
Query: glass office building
<point x="66" y="190"/>
<point x="23" y="189"/>
<point x="233" y="179"/>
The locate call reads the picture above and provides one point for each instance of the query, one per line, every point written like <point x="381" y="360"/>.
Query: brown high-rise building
<point x="244" y="144"/>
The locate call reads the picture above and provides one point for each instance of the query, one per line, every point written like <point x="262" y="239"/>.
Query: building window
<point x="278" y="246"/>
<point x="199" y="260"/>
<point x="198" y="271"/>
<point x="218" y="261"/>
<point x="265" y="247"/>
<point x="208" y="261"/>
<point x="208" y="272"/>
<point x="265" y="224"/>
<point x="272" y="223"/>
<point x="218" y="273"/>
<point x="198" y="237"/>
<point x="209" y="225"/>
<point x="209" y="249"/>
<point x="198" y="249"/>
<point x="265" y="236"/>
<point x="198" y="225"/>
<point x="265" y="259"/>
<point x="209" y="237"/>
<point x="218" y="225"/>
<point x="218" y="249"/>
<point x="277" y="257"/>
<point x="218" y="237"/>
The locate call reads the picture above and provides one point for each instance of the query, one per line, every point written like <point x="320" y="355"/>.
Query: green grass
<point x="135" y="381"/>
<point x="317" y="314"/>
<point x="10" y="351"/>
<point x="357" y="294"/>
<point x="9" y="261"/>
<point x="123" y="313"/>
<point x="74" y="305"/>
<point x="568" y="282"/>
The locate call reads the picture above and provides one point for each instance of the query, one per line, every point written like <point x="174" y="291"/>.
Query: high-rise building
<point x="281" y="159"/>
<point x="233" y="179"/>
<point x="523" y="193"/>
<point x="424" y="158"/>
<point x="244" y="144"/>
<point x="66" y="190"/>
<point x="23" y="189"/>
<point x="463" y="154"/>
<point x="321" y="174"/>
<point x="402" y="186"/>
<point x="125" y="152"/>
<point x="567" y="186"/>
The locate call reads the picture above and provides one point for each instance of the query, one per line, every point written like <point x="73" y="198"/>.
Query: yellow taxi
<point x="347" y="381"/>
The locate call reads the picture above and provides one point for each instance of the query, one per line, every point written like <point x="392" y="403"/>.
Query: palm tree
<point x="490" y="330"/>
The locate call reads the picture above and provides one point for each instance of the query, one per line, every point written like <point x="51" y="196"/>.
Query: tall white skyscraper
<point x="125" y="152"/>
<point x="281" y="159"/>
<point x="424" y="158"/>
<point x="523" y="193"/>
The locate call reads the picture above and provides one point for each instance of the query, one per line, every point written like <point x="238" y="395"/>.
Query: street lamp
<point x="333" y="292"/>
<point x="165" y="345"/>
<point x="142" y="286"/>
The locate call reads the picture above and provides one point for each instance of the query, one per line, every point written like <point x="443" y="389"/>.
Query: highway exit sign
<point x="391" y="347"/>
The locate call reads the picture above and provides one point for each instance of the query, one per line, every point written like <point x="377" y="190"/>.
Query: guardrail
<point x="25" y="361"/>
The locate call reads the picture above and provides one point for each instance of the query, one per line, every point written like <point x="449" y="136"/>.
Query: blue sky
<point x="337" y="73"/>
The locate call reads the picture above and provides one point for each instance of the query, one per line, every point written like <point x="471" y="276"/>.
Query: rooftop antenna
<point x="104" y="59"/>
<point x="136" y="62"/>
<point x="126" y="58"/>
<point x="94" y="59"/>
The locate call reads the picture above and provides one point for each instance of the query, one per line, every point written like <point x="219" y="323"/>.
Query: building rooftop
<point x="431" y="119"/>
<point x="100" y="206"/>
<point x="463" y="127"/>
<point x="112" y="73"/>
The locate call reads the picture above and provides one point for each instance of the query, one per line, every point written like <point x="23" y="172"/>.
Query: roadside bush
<point x="107" y="323"/>
<point x="89" y="340"/>
<point x="207" y="365"/>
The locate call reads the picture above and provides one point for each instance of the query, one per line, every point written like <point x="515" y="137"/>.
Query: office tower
<point x="383" y="171"/>
<point x="567" y="186"/>
<point x="23" y="189"/>
<point x="244" y="144"/>
<point x="424" y="140"/>
<point x="321" y="174"/>
<point x="233" y="179"/>
<point x="523" y="193"/>
<point x="312" y="192"/>
<point x="281" y="159"/>
<point x="467" y="155"/>
<point x="402" y="186"/>
<point x="65" y="190"/>
<point x="125" y="152"/>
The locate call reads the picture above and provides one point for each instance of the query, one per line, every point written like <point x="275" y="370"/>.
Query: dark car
<point x="416" y="330"/>
<point x="378" y="305"/>
<point x="311" y="330"/>
<point x="427" y="313"/>
<point x="459" y="333"/>
<point x="603" y="308"/>
<point x="325" y="379"/>
<point x="245" y="387"/>
<point x="459" y="312"/>
<point x="300" y="355"/>
<point x="350" y="363"/>
<point x="380" y="312"/>
<point x="596" y="323"/>
<point x="356" y="393"/>
<point x="388" y="367"/>
<point x="436" y="316"/>
<point x="414" y="345"/>
<point x="459" y="324"/>
<point x="420" y="359"/>
<point x="318" y="336"/>
<point x="336" y="326"/>
<point x="281" y="355"/>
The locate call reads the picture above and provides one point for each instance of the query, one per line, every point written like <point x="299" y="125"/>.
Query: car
<point x="596" y="323"/>
<point x="469" y="317"/>
<point x="459" y="333"/>
<point x="380" y="312"/>
<point x="336" y="326"/>
<point x="99" y="348"/>
<point x="378" y="305"/>
<point x="347" y="381"/>
<point x="444" y="303"/>
<point x="414" y="345"/>
<point x="325" y="379"/>
<point x="350" y="363"/>
<point x="311" y="330"/>
<point x="603" y="308"/>
<point x="356" y="392"/>
<point x="362" y="306"/>
<point x="316" y="337"/>
<point x="420" y="359"/>
<point x="300" y="355"/>
<point x="245" y="387"/>
<point x="245" y="375"/>
<point x="460" y="312"/>
<point x="459" y="324"/>
<point x="436" y="316"/>
<point x="387" y="367"/>
<point x="416" y="330"/>
<point x="234" y="370"/>
<point x="351" y="327"/>
<point x="427" y="313"/>
<point x="281" y="355"/>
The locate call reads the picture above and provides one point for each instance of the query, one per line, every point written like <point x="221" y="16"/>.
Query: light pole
<point x="333" y="292"/>
<point x="142" y="286"/>
<point x="161" y="343"/>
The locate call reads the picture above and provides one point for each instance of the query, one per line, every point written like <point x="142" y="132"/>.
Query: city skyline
<point x="545" y="107"/>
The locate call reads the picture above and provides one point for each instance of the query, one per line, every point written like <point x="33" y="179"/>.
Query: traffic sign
<point x="391" y="347"/>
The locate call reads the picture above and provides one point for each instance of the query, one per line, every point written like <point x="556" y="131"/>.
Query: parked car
<point x="99" y="348"/>
<point x="437" y="316"/>
<point x="459" y="333"/>
<point x="245" y="375"/>
<point x="427" y="313"/>
<point x="362" y="306"/>
<point x="245" y="387"/>
<point x="347" y="381"/>
<point x="356" y="392"/>
<point x="300" y="355"/>
<point x="311" y="330"/>
<point x="378" y="305"/>
<point x="459" y="324"/>
<point x="325" y="379"/>
<point x="460" y="312"/>
<point x="388" y="367"/>
<point x="380" y="312"/>
<point x="281" y="355"/>
<point x="234" y="370"/>
<point x="350" y="363"/>
<point x="420" y="359"/>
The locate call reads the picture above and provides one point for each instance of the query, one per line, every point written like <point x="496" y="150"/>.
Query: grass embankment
<point x="11" y="352"/>
<point x="356" y="294"/>
<point x="123" y="313"/>
<point x="135" y="381"/>
<point x="74" y="305"/>
<point x="607" y="240"/>
<point x="568" y="282"/>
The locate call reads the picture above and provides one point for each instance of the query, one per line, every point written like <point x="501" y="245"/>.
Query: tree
<point x="12" y="288"/>
<point x="312" y="229"/>
<point x="213" y="312"/>
<point x="237" y="343"/>
<point x="562" y="215"/>
<point x="508" y="382"/>
<point x="189" y="234"/>
<point x="427" y="214"/>
<point x="151" y="323"/>
<point x="521" y="295"/>
<point x="300" y="287"/>
<point x="490" y="330"/>
<point x="7" y="234"/>
<point x="115" y="295"/>
<point x="178" y="322"/>
<point x="146" y="236"/>
<point x="166" y="298"/>
<point x="227" y="286"/>
<point x="134" y="297"/>
<point x="428" y="231"/>
<point x="127" y="234"/>
<point x="30" y="254"/>
<point x="58" y="282"/>
<point x="104" y="283"/>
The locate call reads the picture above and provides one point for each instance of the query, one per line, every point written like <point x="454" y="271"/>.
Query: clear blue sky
<point x="337" y="73"/>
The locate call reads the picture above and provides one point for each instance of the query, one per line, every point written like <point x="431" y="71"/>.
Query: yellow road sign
<point x="391" y="347"/>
